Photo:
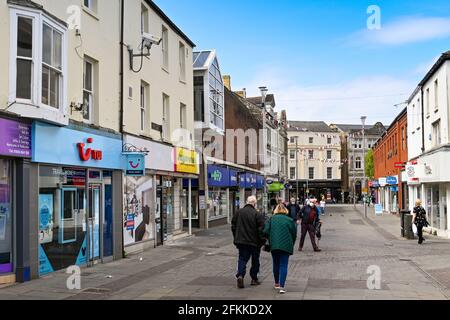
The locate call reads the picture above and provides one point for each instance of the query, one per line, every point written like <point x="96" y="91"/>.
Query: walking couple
<point x="251" y="232"/>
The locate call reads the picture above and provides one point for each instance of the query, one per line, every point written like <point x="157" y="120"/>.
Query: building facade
<point x="314" y="160"/>
<point x="428" y="140"/>
<point x="158" y="122"/>
<point x="353" y="160"/>
<point x="390" y="157"/>
<point x="85" y="113"/>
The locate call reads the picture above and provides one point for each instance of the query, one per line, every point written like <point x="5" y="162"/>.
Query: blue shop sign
<point x="391" y="180"/>
<point x="194" y="183"/>
<point x="248" y="180"/>
<point x="68" y="146"/>
<point x="234" y="182"/>
<point x="218" y="176"/>
<point x="259" y="182"/>
<point x="135" y="166"/>
<point x="394" y="189"/>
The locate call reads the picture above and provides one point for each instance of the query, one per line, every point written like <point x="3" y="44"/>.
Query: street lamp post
<point x="297" y="200"/>
<point x="264" y="91"/>
<point x="363" y="121"/>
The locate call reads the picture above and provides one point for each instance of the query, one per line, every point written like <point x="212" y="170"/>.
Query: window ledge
<point x="436" y="110"/>
<point x="428" y="116"/>
<point x="183" y="81"/>
<point x="91" y="13"/>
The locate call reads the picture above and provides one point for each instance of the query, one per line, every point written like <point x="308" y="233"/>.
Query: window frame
<point x="329" y="173"/>
<point x="165" y="48"/>
<point x="166" y="117"/>
<point x="311" y="176"/>
<point x="182" y="61"/>
<point x="38" y="20"/>
<point x="91" y="92"/>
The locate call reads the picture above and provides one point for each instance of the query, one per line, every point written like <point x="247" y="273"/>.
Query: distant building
<point x="353" y="156"/>
<point x="314" y="160"/>
<point x="390" y="157"/>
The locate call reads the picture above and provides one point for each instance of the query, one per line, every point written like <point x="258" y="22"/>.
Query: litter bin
<point x="403" y="213"/>
<point x="406" y="222"/>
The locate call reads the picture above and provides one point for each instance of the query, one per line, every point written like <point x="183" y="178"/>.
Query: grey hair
<point x="252" y="200"/>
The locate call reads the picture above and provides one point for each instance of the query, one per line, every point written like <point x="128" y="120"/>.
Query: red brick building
<point x="390" y="156"/>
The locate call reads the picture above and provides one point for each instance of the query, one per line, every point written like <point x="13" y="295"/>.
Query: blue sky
<point x="318" y="57"/>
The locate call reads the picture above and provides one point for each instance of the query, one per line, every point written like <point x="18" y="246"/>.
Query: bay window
<point x="38" y="61"/>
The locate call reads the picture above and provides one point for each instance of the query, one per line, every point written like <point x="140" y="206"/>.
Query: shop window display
<point x="138" y="224"/>
<point x="219" y="201"/>
<point x="62" y="227"/>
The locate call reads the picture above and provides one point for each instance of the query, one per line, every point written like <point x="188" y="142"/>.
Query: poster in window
<point x="45" y="218"/>
<point x="2" y="226"/>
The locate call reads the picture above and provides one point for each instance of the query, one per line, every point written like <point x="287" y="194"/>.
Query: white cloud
<point x="402" y="31"/>
<point x="346" y="102"/>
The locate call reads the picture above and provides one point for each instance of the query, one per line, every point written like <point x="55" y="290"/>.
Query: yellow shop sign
<point x="186" y="161"/>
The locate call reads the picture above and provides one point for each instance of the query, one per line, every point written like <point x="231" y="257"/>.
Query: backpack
<point x="310" y="217"/>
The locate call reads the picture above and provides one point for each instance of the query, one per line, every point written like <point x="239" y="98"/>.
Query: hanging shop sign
<point x="15" y="138"/>
<point x="135" y="164"/>
<point x="186" y="161"/>
<point x="71" y="147"/>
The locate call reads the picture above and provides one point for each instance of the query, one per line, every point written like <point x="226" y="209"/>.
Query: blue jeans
<point x="245" y="253"/>
<point x="280" y="266"/>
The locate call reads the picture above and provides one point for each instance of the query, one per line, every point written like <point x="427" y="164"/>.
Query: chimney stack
<point x="227" y="82"/>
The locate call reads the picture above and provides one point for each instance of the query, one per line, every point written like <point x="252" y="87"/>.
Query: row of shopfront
<point x="425" y="179"/>
<point x="227" y="190"/>
<point x="77" y="196"/>
<point x="81" y="196"/>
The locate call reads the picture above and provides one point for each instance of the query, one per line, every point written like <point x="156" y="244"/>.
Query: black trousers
<point x="420" y="234"/>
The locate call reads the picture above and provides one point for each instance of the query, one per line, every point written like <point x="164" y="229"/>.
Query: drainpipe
<point x="122" y="26"/>
<point x="122" y="23"/>
<point x="423" y="120"/>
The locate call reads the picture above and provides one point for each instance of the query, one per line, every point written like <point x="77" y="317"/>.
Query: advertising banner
<point x="15" y="139"/>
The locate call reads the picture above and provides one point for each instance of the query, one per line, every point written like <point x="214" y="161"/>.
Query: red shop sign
<point x="89" y="153"/>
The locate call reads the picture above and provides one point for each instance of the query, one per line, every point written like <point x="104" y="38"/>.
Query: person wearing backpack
<point x="309" y="218"/>
<point x="281" y="233"/>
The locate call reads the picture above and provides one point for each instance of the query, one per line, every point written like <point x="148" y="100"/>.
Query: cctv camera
<point x="150" y="40"/>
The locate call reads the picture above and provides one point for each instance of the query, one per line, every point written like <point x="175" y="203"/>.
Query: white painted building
<point x="429" y="145"/>
<point x="314" y="159"/>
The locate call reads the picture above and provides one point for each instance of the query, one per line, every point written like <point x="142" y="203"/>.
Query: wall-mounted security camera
<point x="149" y="40"/>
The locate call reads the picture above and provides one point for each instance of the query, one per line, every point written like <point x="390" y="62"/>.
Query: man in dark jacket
<point x="294" y="209"/>
<point x="247" y="227"/>
<point x="309" y="218"/>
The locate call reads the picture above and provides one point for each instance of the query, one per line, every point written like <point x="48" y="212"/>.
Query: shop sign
<point x="186" y="161"/>
<point x="394" y="189"/>
<point x="15" y="139"/>
<point x="259" y="182"/>
<point x="233" y="178"/>
<point x="382" y="182"/>
<point x="392" y="180"/>
<point x="70" y="147"/>
<point x="218" y="176"/>
<point x="89" y="154"/>
<point x="135" y="164"/>
<point x="374" y="184"/>
<point x="414" y="172"/>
